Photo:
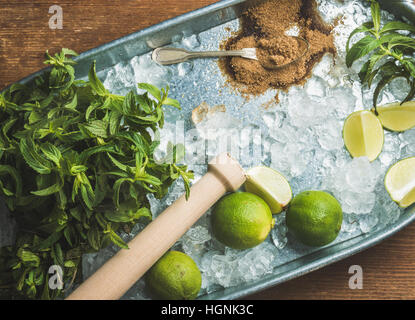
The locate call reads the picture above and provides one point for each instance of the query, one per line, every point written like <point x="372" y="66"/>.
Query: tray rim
<point x="369" y="240"/>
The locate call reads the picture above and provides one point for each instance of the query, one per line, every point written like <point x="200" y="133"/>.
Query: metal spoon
<point x="168" y="55"/>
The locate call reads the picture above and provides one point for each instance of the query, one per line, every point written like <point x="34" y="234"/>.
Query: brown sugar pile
<point x="263" y="27"/>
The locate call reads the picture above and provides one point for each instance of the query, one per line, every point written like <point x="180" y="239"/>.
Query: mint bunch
<point x="76" y="166"/>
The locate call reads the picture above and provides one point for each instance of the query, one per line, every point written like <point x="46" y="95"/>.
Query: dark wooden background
<point x="388" y="268"/>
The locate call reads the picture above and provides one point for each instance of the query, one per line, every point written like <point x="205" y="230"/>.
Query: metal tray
<point x="143" y="41"/>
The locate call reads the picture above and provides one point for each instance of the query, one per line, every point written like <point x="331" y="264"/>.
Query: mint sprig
<point x="384" y="43"/>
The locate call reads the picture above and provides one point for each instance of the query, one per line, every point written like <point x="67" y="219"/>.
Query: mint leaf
<point x="68" y="52"/>
<point x="397" y="25"/>
<point x="360" y="49"/>
<point x="401" y="40"/>
<point x="48" y="191"/>
<point x="366" y="27"/>
<point x="375" y="9"/>
<point x="116" y="239"/>
<point x="172" y="102"/>
<point x="32" y="158"/>
<point x="97" y="128"/>
<point x="95" y="83"/>
<point x="153" y="90"/>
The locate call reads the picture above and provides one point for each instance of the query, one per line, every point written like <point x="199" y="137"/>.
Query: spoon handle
<point x="167" y="56"/>
<point x="229" y="53"/>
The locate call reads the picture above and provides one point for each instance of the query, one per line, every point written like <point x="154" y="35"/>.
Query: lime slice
<point x="397" y="117"/>
<point x="400" y="182"/>
<point x="271" y="186"/>
<point x="363" y="135"/>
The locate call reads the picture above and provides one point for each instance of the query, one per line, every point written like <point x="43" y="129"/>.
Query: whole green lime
<point x="314" y="217"/>
<point x="175" y="276"/>
<point x="241" y="220"/>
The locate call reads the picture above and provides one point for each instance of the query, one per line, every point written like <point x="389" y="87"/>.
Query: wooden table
<point x="388" y="268"/>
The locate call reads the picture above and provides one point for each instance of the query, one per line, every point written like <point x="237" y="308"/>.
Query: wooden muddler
<point x="118" y="274"/>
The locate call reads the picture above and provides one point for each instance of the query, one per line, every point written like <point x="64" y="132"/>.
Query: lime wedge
<point x="271" y="186"/>
<point x="400" y="182"/>
<point x="363" y="135"/>
<point x="397" y="117"/>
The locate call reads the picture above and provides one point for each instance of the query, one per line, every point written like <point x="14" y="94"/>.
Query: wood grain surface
<point x="388" y="268"/>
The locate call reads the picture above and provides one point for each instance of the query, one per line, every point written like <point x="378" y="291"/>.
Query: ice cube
<point x="342" y="101"/>
<point x="353" y="184"/>
<point x="236" y="266"/>
<point x="358" y="64"/>
<point x="191" y="42"/>
<point x="356" y="202"/>
<point x="392" y="149"/>
<point x="329" y="10"/>
<point x="137" y="291"/>
<point x="330" y="135"/>
<point x="387" y="158"/>
<point x="361" y="176"/>
<point x="208" y="278"/>
<point x="120" y="79"/>
<point x="198" y="235"/>
<point x="306" y="112"/>
<point x="91" y="262"/>
<point x="175" y="191"/>
<point x="216" y="245"/>
<point x="193" y="242"/>
<point x="290" y="159"/>
<point x="408" y="139"/>
<point x="148" y="71"/>
<point x="350" y="223"/>
<point x="323" y="68"/>
<point x="398" y="88"/>
<point x="184" y="68"/>
<point x="360" y="12"/>
<point x="156" y="206"/>
<point x="279" y="232"/>
<point x="283" y="134"/>
<point x="368" y="222"/>
<point x="218" y="125"/>
<point x="316" y="87"/>
<point x="272" y="120"/>
<point x="222" y="268"/>
<point x="390" y="211"/>
<point x="257" y="262"/>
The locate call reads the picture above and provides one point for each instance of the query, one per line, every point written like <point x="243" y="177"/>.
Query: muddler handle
<point x="119" y="273"/>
